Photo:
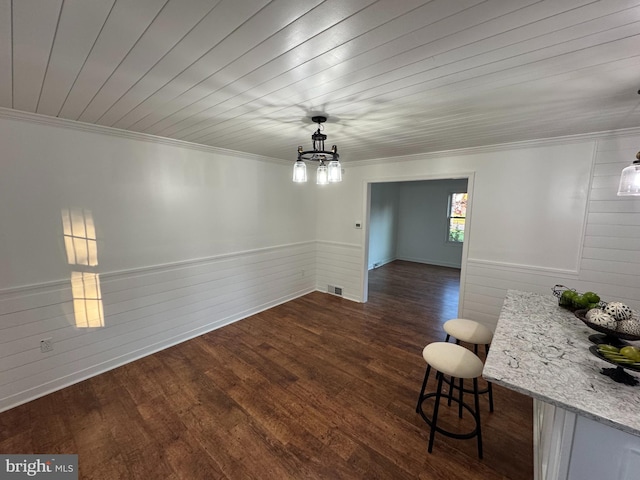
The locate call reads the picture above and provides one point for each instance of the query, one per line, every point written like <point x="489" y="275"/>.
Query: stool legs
<point x="460" y="399"/>
<point x="477" y="413"/>
<point x="456" y="363"/>
<point x="424" y="385"/>
<point x="489" y="386"/>
<point x="434" y="418"/>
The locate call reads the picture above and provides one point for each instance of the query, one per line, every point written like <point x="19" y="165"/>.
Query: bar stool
<point x="456" y="362"/>
<point x="470" y="331"/>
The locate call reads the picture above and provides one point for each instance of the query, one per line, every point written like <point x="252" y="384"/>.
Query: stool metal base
<point x="432" y="422"/>
<point x="489" y="388"/>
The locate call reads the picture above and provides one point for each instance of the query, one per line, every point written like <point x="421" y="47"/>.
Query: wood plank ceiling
<point x="395" y="77"/>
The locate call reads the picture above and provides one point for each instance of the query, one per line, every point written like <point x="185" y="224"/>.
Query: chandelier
<point x="329" y="168"/>
<point x="630" y="179"/>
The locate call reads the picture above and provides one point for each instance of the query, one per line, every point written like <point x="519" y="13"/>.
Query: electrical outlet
<point x="46" y="345"/>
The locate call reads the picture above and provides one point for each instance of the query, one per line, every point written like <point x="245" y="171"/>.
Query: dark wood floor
<point x="320" y="387"/>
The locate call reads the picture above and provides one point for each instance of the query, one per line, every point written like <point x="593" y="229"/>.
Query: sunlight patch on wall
<point x="87" y="299"/>
<point x="81" y="245"/>
<point x="80" y="237"/>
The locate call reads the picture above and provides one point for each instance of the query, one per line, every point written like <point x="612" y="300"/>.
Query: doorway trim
<point x="367" y="182"/>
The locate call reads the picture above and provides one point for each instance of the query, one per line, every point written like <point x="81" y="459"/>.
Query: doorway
<point x="406" y="220"/>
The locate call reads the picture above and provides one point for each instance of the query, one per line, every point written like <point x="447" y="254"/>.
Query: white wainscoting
<point x="609" y="259"/>
<point x="145" y="310"/>
<point x="487" y="284"/>
<point x="341" y="265"/>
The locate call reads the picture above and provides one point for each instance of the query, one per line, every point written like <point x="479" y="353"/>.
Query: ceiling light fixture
<point x="330" y="172"/>
<point x="630" y="179"/>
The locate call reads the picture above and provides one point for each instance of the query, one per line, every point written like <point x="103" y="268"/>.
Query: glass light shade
<point x="630" y="180"/>
<point x="335" y="171"/>
<point x="322" y="175"/>
<point x="299" y="172"/>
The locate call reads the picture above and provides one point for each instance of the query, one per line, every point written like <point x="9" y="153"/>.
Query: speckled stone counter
<point x="542" y="350"/>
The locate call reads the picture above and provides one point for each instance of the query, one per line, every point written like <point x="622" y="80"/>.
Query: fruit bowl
<point x="617" y="374"/>
<point x="560" y="290"/>
<point x="607" y="331"/>
<point x="594" y="350"/>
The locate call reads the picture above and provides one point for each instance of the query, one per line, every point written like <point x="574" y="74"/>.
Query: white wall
<point x="422" y="227"/>
<point x="383" y="224"/>
<point x="536" y="217"/>
<point x="188" y="239"/>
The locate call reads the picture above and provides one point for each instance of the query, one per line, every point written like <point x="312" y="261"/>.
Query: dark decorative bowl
<point x="594" y="350"/>
<point x="607" y="331"/>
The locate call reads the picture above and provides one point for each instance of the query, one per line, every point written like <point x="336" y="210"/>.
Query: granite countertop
<point x="542" y="350"/>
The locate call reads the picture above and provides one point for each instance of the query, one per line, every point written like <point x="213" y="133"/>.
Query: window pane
<point x="458" y="205"/>
<point x="456" y="229"/>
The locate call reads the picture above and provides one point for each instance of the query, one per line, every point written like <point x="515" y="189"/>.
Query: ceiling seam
<point x="226" y="65"/>
<point x="187" y="67"/>
<point x="53" y="42"/>
<point x="338" y="46"/>
<point x="123" y="58"/>
<point x="413" y="48"/>
<point x="159" y="60"/>
<point x="73" y="84"/>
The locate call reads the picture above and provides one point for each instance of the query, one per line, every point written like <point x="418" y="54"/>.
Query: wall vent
<point x="334" y="290"/>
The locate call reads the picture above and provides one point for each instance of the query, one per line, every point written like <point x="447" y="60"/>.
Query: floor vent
<point x="334" y="290"/>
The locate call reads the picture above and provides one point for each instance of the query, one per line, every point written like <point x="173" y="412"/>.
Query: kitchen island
<point x="586" y="425"/>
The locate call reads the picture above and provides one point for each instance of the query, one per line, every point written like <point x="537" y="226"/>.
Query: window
<point x="457" y="216"/>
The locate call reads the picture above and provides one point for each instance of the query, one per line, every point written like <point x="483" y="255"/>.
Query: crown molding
<point x="117" y="132"/>
<point x="541" y="142"/>
<point x="145" y="137"/>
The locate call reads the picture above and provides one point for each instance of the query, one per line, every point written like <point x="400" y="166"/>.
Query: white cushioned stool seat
<point x="468" y="331"/>
<point x="452" y="360"/>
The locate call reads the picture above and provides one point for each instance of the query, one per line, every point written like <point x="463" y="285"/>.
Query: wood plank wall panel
<point x="487" y="285"/>
<point x="146" y="310"/>
<point x="610" y="257"/>
<point x="6" y="54"/>
<point x="341" y="265"/>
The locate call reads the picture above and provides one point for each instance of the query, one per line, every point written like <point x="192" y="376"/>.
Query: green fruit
<point x="591" y="297"/>
<point x="613" y="355"/>
<point x="580" y="302"/>
<point x="619" y="359"/>
<point x="567" y="297"/>
<point x="608" y="348"/>
<point x="632" y="353"/>
<point x="593" y="305"/>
